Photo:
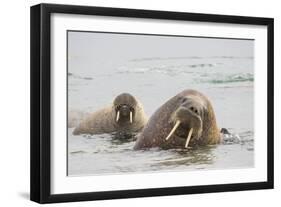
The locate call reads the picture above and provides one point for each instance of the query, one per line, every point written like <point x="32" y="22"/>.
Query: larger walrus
<point x="126" y="114"/>
<point x="186" y="120"/>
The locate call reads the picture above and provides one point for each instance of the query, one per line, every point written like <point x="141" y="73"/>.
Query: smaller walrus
<point x="126" y="115"/>
<point x="74" y="117"/>
<point x="186" y="120"/>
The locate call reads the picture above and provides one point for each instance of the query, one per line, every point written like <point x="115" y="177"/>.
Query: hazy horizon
<point x="100" y="49"/>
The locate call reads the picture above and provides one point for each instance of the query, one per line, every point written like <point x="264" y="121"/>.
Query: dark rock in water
<point x="230" y="138"/>
<point x="224" y="131"/>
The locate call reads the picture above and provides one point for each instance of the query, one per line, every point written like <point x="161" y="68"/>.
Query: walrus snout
<point x="187" y="114"/>
<point x="124" y="111"/>
<point x="187" y="123"/>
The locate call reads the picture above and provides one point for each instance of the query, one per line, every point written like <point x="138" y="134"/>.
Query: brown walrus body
<point x="186" y="120"/>
<point x="126" y="115"/>
<point x="75" y="117"/>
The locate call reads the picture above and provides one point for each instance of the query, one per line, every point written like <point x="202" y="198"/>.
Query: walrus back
<point x="157" y="126"/>
<point x="101" y="121"/>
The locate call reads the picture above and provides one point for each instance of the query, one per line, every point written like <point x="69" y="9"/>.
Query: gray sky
<point x="100" y="47"/>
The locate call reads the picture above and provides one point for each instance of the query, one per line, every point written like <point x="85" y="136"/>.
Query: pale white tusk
<point x="173" y="130"/>
<point x="188" y="137"/>
<point x="117" y="116"/>
<point x="131" y="117"/>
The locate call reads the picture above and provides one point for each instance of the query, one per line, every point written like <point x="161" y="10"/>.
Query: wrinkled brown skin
<point x="159" y="126"/>
<point x="104" y="121"/>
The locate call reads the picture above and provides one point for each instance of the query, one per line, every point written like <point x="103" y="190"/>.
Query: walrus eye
<point x="183" y="100"/>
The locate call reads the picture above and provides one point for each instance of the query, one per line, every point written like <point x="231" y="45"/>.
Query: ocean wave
<point x="233" y="78"/>
<point x="166" y="69"/>
<point x="79" y="77"/>
<point x="244" y="137"/>
<point x="164" y="58"/>
<point x="189" y="57"/>
<point x="231" y="57"/>
<point x="203" y="65"/>
<point x="78" y="152"/>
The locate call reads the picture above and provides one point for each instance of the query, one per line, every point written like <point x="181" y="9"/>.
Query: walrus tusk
<point x="131" y="117"/>
<point x="117" y="116"/>
<point x="188" y="137"/>
<point x="173" y="130"/>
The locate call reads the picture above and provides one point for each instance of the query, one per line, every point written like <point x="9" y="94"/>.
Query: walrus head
<point x="187" y="119"/>
<point x="125" y="108"/>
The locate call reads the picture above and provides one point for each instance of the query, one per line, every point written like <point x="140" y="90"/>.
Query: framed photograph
<point x="132" y="103"/>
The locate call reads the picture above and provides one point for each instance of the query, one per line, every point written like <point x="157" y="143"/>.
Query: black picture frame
<point x="40" y="184"/>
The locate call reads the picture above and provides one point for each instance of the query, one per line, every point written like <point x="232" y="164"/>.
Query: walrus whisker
<point x="117" y="116"/>
<point x="188" y="137"/>
<point x="131" y="117"/>
<point x="173" y="130"/>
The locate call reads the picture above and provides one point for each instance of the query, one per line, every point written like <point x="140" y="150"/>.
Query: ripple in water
<point x="233" y="78"/>
<point x="113" y="153"/>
